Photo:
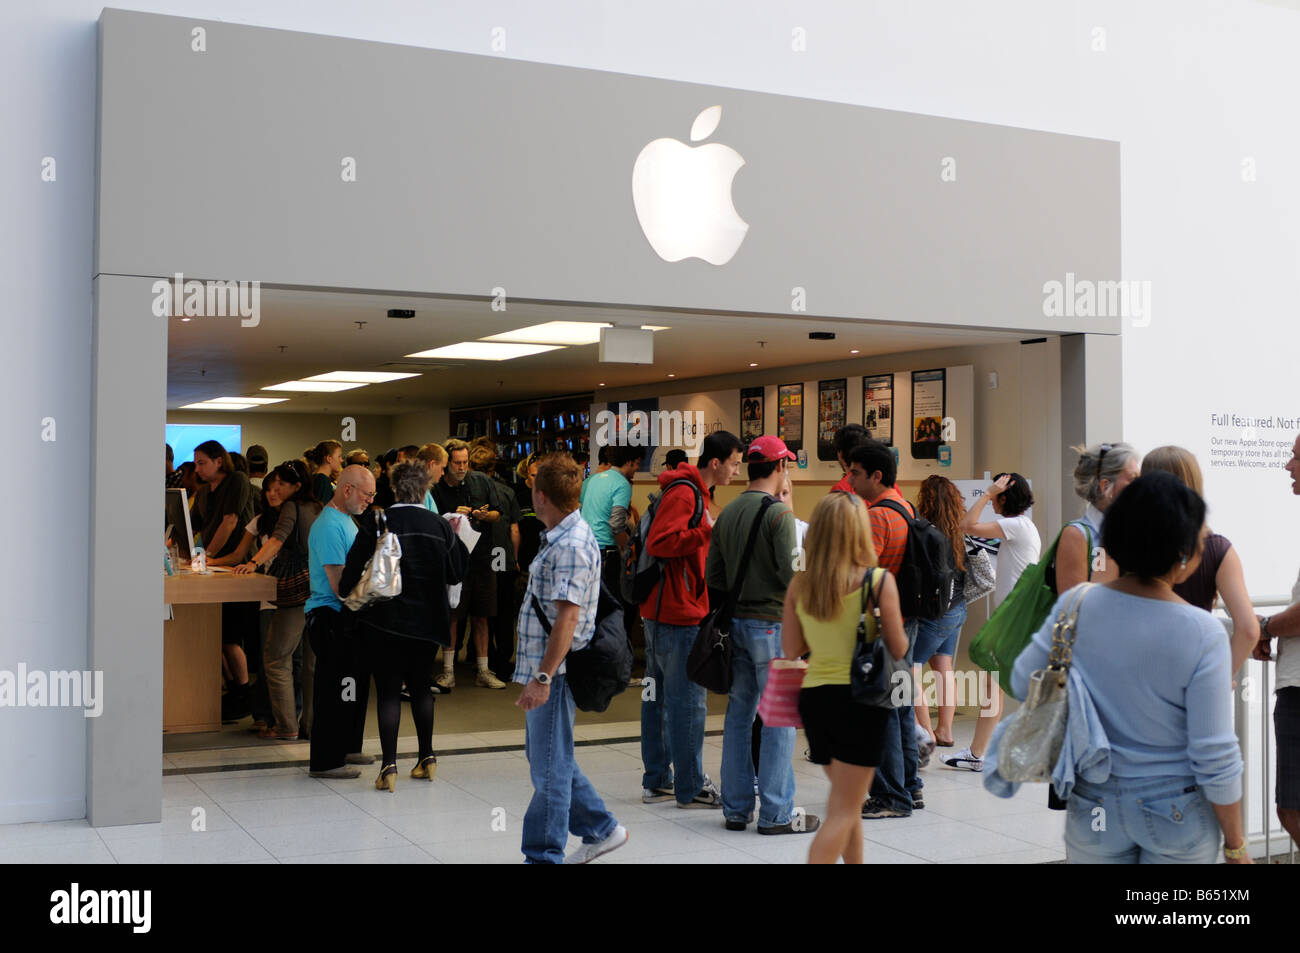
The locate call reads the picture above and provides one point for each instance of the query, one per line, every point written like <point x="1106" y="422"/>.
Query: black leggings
<point x="396" y="660"/>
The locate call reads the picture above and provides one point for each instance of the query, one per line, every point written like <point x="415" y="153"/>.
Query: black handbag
<point x="874" y="675"/>
<point x="602" y="668"/>
<point x="709" y="663"/>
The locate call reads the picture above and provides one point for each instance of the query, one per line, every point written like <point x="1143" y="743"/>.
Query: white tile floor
<point x="473" y="810"/>
<point x="283" y="816"/>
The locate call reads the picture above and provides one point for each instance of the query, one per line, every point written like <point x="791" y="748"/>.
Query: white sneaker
<point x="444" y="683"/>
<point x="589" y="852"/>
<point x="487" y="680"/>
<point x="963" y="760"/>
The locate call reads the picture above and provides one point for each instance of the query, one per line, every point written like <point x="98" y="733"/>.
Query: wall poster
<point x="789" y="415"/>
<point x="832" y="414"/>
<point x="751" y="413"/>
<point x="928" y="405"/>
<point x="878" y="407"/>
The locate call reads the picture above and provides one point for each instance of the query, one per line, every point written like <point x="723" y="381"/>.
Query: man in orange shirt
<point x="846" y="438"/>
<point x="896" y="788"/>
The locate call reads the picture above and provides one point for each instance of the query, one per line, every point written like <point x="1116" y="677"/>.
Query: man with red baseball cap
<point x="756" y="640"/>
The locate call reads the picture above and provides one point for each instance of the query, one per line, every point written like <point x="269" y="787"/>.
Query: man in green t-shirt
<point x="756" y="640"/>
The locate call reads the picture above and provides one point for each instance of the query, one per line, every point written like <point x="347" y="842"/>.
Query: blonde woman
<point x="1219" y="571"/>
<point x="822" y="607"/>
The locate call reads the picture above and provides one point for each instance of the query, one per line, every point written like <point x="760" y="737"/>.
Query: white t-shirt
<point x="1288" y="653"/>
<point x="1019" y="549"/>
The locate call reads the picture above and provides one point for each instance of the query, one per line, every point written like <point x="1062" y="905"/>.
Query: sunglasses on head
<point x="1105" y="448"/>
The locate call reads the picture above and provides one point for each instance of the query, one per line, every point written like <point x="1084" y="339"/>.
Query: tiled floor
<point x="472" y="814"/>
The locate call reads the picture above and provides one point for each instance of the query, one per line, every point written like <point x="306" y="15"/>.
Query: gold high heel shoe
<point x="387" y="778"/>
<point x="425" y="769"/>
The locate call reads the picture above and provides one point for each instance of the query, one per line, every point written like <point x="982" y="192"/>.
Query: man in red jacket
<point x="673" y="708"/>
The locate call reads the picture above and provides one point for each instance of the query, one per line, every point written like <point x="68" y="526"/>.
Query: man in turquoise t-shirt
<point x="339" y="710"/>
<point x="606" y="497"/>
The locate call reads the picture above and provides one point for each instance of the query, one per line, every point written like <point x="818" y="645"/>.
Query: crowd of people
<point x="546" y="537"/>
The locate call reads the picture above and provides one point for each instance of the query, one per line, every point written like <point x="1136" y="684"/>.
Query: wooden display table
<point x="192" y="644"/>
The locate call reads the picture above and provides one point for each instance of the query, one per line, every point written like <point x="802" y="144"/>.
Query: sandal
<point x="425" y="769"/>
<point x="387" y="779"/>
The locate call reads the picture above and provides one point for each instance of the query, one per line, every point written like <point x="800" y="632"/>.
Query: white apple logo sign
<point x="682" y="195"/>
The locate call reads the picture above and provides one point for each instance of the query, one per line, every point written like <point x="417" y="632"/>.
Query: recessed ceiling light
<point x="752" y="364"/>
<point x="602" y="383"/>
<point x="215" y="405"/>
<point x="485" y="351"/>
<point x="360" y="377"/>
<point x="853" y="350"/>
<point x="554" y="332"/>
<point x="672" y="375"/>
<point x="314" y="386"/>
<point x="247" y="400"/>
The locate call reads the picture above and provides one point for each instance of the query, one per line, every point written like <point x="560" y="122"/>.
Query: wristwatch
<point x="1234" y="853"/>
<point x="1263" y="626"/>
<point x="541" y="678"/>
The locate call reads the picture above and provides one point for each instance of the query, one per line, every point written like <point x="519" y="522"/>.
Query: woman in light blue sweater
<point x="1160" y="675"/>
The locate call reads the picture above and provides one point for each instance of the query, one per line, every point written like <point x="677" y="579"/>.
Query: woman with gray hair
<point x="402" y="634"/>
<point x="1100" y="476"/>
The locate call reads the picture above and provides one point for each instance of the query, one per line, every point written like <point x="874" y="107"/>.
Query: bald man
<point x="339" y="705"/>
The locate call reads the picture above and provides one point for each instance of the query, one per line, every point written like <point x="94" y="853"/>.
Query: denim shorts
<point x="938" y="636"/>
<point x="1164" y="820"/>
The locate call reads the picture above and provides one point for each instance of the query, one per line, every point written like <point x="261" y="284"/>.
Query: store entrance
<point x="377" y="373"/>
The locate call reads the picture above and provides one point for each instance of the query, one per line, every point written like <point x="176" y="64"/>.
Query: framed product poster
<point x="751" y="413"/>
<point x="878" y="407"/>
<point x="928" y="406"/>
<point x="832" y="414"/>
<point x="789" y="415"/>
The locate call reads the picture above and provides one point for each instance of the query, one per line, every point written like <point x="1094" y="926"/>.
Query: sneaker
<point x="487" y="680"/>
<point x="799" y="824"/>
<point x="807" y="755"/>
<point x="708" y="796"/>
<point x="918" y="802"/>
<point x="444" y="683"/>
<point x="358" y="758"/>
<point x="655" y="795"/>
<point x="963" y="760"/>
<point x="734" y="825"/>
<point x="589" y="852"/>
<point x="874" y="810"/>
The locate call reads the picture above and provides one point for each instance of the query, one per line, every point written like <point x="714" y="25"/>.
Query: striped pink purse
<point x="779" y="706"/>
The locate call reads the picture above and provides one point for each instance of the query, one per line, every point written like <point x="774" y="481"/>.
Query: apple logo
<point x="682" y="195"/>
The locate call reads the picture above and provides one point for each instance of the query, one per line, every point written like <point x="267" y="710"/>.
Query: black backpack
<point x="641" y="571"/>
<point x="600" y="671"/>
<point x="928" y="572"/>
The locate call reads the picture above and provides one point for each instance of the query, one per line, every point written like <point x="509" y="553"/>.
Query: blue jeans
<point x="672" y="717"/>
<point x="755" y="642"/>
<point x="1141" y="821"/>
<point x="563" y="801"/>
<point x="896" y="782"/>
<point x="938" y="636"/>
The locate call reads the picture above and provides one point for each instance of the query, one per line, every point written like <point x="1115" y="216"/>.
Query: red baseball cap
<point x="767" y="449"/>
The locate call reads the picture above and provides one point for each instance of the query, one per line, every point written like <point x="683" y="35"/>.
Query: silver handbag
<point x="381" y="579"/>
<point x="1031" y="743"/>
<point x="980" y="577"/>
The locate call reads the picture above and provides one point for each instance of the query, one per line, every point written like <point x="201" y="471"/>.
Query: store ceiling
<point x="302" y="333"/>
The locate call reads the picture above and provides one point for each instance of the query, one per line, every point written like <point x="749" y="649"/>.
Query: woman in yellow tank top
<point x="822" y="608"/>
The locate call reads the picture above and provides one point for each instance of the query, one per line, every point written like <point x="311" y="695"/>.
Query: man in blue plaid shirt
<point x="565" y="580"/>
